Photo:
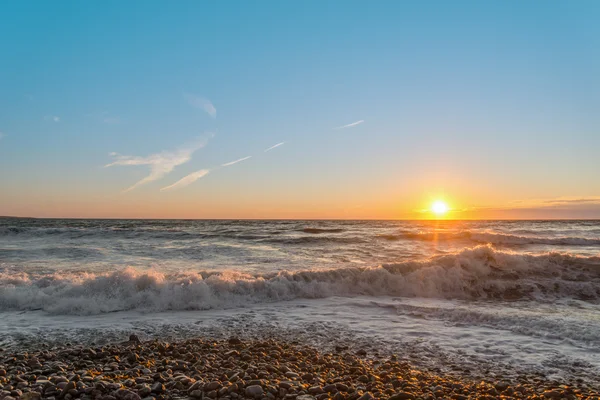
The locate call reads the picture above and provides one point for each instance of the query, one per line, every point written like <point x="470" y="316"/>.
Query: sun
<point x="439" y="208"/>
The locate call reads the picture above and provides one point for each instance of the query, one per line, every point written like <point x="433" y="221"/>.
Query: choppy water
<point x="515" y="295"/>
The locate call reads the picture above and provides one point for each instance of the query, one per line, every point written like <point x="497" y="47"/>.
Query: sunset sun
<point x="439" y="208"/>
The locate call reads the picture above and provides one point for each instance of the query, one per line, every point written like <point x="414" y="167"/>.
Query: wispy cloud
<point x="2" y="135"/>
<point x="160" y="164"/>
<point x="235" y="162"/>
<point x="201" y="103"/>
<point x="275" y="146"/>
<point x="560" y="207"/>
<point x="553" y="203"/>
<point x="186" y="180"/>
<point x="53" y="118"/>
<point x="573" y="200"/>
<point x="194" y="176"/>
<point x="351" y="125"/>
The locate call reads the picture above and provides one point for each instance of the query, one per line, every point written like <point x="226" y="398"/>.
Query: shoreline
<point x="237" y="368"/>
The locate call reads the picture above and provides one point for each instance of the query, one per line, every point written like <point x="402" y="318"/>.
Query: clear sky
<point x="151" y="108"/>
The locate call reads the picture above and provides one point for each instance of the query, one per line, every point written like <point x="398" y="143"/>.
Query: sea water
<point x="485" y="298"/>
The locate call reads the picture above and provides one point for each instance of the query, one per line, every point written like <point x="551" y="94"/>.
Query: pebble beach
<point x="237" y="368"/>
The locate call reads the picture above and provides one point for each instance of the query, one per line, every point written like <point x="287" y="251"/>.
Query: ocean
<point x="481" y="298"/>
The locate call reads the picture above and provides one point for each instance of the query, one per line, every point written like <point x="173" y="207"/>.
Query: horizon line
<point x="308" y="219"/>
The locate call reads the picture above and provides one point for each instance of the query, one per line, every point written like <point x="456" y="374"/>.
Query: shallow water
<point x="487" y="297"/>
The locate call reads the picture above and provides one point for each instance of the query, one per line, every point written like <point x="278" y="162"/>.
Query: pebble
<point x="31" y="396"/>
<point x="214" y="385"/>
<point x="233" y="369"/>
<point x="157" y="388"/>
<point x="402" y="396"/>
<point x="254" y="391"/>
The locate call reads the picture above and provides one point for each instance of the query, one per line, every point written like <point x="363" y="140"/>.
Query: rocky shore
<point x="243" y="369"/>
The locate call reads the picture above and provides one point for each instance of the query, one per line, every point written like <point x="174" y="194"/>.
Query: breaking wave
<point x="493" y="238"/>
<point x="478" y="273"/>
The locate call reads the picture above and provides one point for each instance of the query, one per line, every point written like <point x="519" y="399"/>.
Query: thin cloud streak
<point x="275" y="146"/>
<point x="535" y="205"/>
<point x="553" y="203"/>
<point x="351" y="125"/>
<point x="186" y="180"/>
<point x="53" y="118"/>
<point x="202" y="104"/>
<point x="160" y="164"/>
<point x="235" y="162"/>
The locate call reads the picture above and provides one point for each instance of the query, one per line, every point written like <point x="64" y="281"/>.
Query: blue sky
<point x="483" y="104"/>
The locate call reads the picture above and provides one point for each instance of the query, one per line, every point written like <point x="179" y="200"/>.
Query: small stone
<point x="342" y="387"/>
<point x="145" y="390"/>
<point x="196" y="386"/>
<point x="214" y="385"/>
<point x="158" y="387"/>
<point x="234" y="377"/>
<point x="402" y="396"/>
<point x="235" y="341"/>
<point x="134" y="339"/>
<point x="315" y="390"/>
<point x="125" y="394"/>
<point x="305" y="397"/>
<point x="132" y="357"/>
<point x="31" y="396"/>
<point x="308" y="377"/>
<point x="197" y="394"/>
<point x="254" y="391"/>
<point x="330" y="388"/>
<point x="552" y="394"/>
<point x="68" y="386"/>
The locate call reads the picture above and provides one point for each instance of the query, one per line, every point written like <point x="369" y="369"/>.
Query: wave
<point x="322" y="230"/>
<point x="493" y="238"/>
<point x="314" y="240"/>
<point x="558" y="325"/>
<point x="128" y="233"/>
<point x="480" y="273"/>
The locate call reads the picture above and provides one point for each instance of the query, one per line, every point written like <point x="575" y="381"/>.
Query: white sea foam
<point x="478" y="339"/>
<point x="478" y="273"/>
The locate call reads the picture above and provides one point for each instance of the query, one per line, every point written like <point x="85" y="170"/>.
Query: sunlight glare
<point x="439" y="207"/>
